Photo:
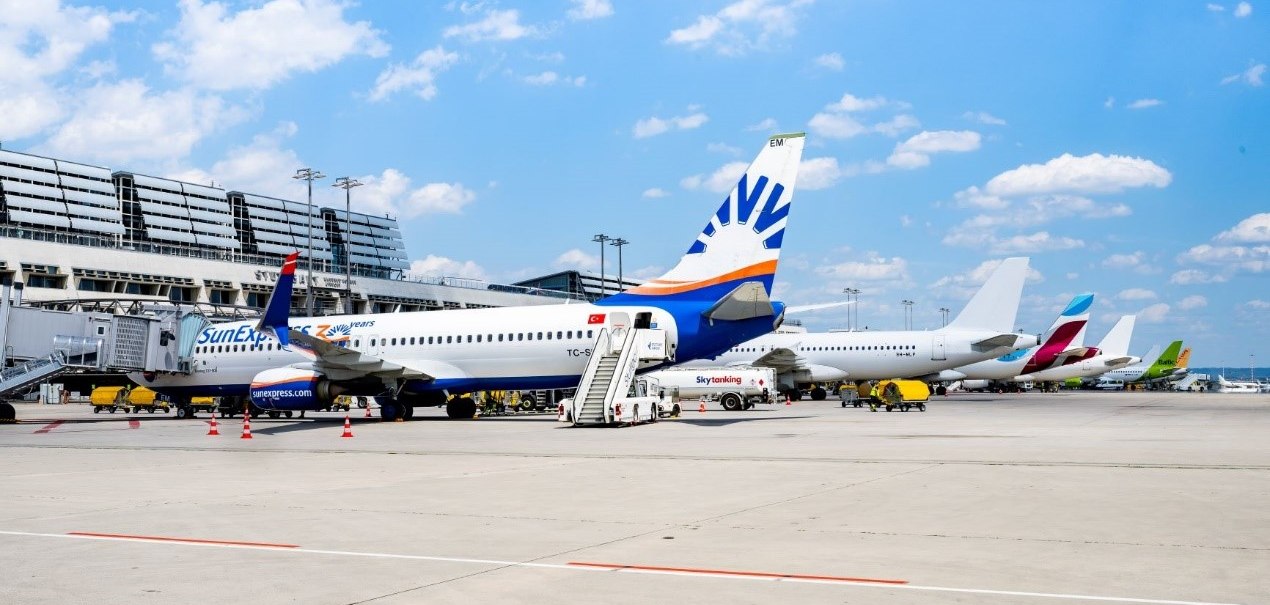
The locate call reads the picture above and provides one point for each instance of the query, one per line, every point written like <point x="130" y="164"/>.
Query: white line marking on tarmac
<point x="345" y="553"/>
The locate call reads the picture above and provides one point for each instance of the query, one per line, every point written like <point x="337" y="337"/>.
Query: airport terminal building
<point x="76" y="235"/>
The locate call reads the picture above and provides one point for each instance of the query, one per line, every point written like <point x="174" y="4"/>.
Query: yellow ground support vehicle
<point x="902" y="394"/>
<point x="141" y="398"/>
<point x="110" y="399"/>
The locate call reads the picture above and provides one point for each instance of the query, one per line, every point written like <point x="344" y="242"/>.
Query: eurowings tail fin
<point x="278" y="312"/>
<point x="996" y="304"/>
<point x="1116" y="342"/>
<point x="742" y="241"/>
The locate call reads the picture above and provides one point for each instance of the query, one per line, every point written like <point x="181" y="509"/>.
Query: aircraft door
<point x="619" y="322"/>
<point x="937" y="348"/>
<point x="643" y="321"/>
<point x="374" y="344"/>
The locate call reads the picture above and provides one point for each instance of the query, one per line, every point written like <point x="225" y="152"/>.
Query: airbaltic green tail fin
<point x="1167" y="360"/>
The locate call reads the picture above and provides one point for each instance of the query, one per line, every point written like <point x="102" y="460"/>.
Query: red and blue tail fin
<point x="742" y="241"/>
<point x="276" y="319"/>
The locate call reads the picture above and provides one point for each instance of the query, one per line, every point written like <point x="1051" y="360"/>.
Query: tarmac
<point x="1028" y="498"/>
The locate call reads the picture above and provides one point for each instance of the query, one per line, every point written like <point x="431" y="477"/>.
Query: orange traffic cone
<point x="702" y="408"/>
<point x="789" y="400"/>
<point x="211" y="430"/>
<point x="368" y="407"/>
<point x="348" y="428"/>
<point x="246" y="426"/>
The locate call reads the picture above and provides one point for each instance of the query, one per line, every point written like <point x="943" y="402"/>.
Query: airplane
<point x="1164" y="367"/>
<point x="715" y="297"/>
<point x="1056" y="342"/>
<point x="1111" y="353"/>
<point x="983" y="330"/>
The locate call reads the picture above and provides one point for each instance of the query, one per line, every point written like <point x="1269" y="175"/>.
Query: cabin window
<point x="500" y="338"/>
<point x="489" y="338"/>
<point x="559" y="335"/>
<point x="520" y="336"/>
<point x="469" y="338"/>
<point x="540" y="336"/>
<point x="478" y="338"/>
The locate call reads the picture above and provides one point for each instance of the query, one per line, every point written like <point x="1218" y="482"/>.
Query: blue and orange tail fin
<point x="276" y="319"/>
<point x="742" y="241"/>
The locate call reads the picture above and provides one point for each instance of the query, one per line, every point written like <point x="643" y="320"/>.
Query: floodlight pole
<point x="601" y="238"/>
<point x="908" y="313"/>
<point x="347" y="184"/>
<point x="309" y="174"/>
<point x="619" y="242"/>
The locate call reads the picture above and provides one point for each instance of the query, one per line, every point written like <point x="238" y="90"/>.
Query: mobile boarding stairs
<point x="607" y="394"/>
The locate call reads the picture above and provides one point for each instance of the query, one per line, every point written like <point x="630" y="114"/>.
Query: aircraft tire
<point x="818" y="394"/>
<point x="407" y="411"/>
<point x="9" y="416"/>
<point x="389" y="411"/>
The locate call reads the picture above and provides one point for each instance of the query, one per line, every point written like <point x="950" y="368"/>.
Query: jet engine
<point x="291" y="389"/>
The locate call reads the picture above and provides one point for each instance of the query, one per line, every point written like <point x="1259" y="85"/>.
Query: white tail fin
<point x="1116" y="342"/>
<point x="996" y="304"/>
<point x="742" y="241"/>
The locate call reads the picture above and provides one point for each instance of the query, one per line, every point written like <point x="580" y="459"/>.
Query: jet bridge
<point x="37" y="345"/>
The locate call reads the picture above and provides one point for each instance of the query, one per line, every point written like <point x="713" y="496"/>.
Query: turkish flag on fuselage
<point x="595" y="318"/>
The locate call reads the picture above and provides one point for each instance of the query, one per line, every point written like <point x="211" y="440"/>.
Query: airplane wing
<point x="781" y="359"/>
<point x="1000" y="340"/>
<point x="327" y="356"/>
<point x="817" y="306"/>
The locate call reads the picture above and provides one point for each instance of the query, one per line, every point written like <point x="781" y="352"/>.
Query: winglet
<point x="278" y="312"/>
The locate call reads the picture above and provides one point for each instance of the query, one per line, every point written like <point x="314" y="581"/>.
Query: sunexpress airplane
<point x="715" y="297"/>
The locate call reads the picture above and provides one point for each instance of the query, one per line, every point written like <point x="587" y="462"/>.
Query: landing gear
<point x="818" y="394"/>
<point x="389" y="410"/>
<point x="460" y="407"/>
<point x="407" y="411"/>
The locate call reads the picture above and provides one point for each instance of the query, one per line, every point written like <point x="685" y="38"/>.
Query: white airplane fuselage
<point x="829" y="356"/>
<point x="1094" y="366"/>
<point x="520" y="347"/>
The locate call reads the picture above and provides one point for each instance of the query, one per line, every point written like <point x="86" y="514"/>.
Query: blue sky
<point x="1122" y="145"/>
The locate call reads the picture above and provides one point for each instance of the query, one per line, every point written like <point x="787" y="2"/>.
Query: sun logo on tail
<point x="765" y="220"/>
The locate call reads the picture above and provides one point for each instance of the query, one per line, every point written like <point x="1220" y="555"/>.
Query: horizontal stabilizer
<point x="817" y="307"/>
<point x="1075" y="352"/>
<point x="1000" y="340"/>
<point x="746" y="301"/>
<point x="1119" y="361"/>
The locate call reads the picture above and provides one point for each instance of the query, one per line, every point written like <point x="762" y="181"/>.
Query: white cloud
<point x="723" y="148"/>
<point x="1041" y="241"/>
<point x="916" y="151"/>
<point x="835" y="126"/>
<point x="875" y="268"/>
<point x="649" y="127"/>
<point x="831" y="61"/>
<point x="983" y="117"/>
<point x="125" y="122"/>
<point x="972" y="197"/>
<point x="1191" y="277"/>
<point x="1253" y="229"/>
<point x="976" y="277"/>
<point x="391" y="193"/>
<point x="1109" y="103"/>
<point x="655" y="193"/>
<point x="1094" y="173"/>
<point x="818" y="173"/>
<point x="419" y="76"/>
<point x="720" y="181"/>
<point x="1154" y="314"/>
<point x="584" y="10"/>
<point x="1194" y="301"/>
<point x="1124" y="261"/>
<point x="1243" y="9"/>
<point x="898" y="124"/>
<point x="263" y="166"/>
<point x="258" y="47"/>
<point x="548" y="78"/>
<point x="851" y="103"/>
<point x="764" y="125"/>
<point x="1252" y="259"/>
<point x="1216" y="8"/>
<point x="576" y="259"/>
<point x="39" y="41"/>
<point x="1145" y="103"/>
<point x="740" y="27"/>
<point x="497" y="25"/>
<point x="1251" y="76"/>
<point x="1136" y="294"/>
<point x="1073" y="275"/>
<point x="1259" y="304"/>
<point x="440" y="266"/>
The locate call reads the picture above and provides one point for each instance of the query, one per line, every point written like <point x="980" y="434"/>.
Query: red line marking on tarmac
<point x="133" y="423"/>
<point x="179" y="540"/>
<point x="50" y="426"/>
<point x="731" y="572"/>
